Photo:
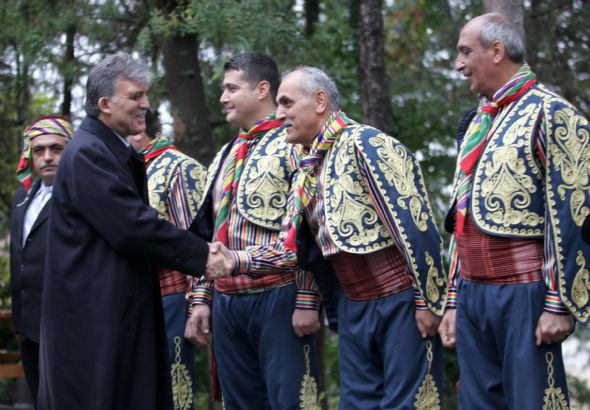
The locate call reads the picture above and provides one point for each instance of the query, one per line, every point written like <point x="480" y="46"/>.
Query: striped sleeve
<point x="552" y="300"/>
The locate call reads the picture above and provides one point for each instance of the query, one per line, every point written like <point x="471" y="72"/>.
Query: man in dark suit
<point x="103" y="342"/>
<point x="44" y="141"/>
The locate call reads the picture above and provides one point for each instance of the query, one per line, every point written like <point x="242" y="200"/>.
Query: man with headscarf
<point x="519" y="271"/>
<point x="175" y="184"/>
<point x="44" y="142"/>
<point x="103" y="343"/>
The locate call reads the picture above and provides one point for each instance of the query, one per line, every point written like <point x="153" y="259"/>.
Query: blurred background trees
<point x="393" y="61"/>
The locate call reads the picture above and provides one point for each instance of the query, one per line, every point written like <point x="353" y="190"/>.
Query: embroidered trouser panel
<point x="500" y="365"/>
<point x="261" y="363"/>
<point x="384" y="362"/>
<point x="181" y="353"/>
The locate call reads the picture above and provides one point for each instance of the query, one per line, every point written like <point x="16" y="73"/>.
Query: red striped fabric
<point x="371" y="276"/>
<point x="493" y="259"/>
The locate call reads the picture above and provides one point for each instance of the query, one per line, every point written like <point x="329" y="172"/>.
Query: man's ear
<point x="321" y="101"/>
<point x="263" y="88"/>
<point x="498" y="51"/>
<point x="103" y="105"/>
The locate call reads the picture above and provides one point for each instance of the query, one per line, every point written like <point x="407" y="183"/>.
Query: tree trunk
<point x="312" y="15"/>
<point x="510" y="8"/>
<point x="372" y="58"/>
<point x="192" y="130"/>
<point x="68" y="70"/>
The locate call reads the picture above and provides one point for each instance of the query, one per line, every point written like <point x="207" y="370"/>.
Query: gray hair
<point x="315" y="79"/>
<point x="496" y="27"/>
<point x="103" y="78"/>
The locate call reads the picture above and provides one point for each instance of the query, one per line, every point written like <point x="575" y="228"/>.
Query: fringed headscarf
<point x="46" y="125"/>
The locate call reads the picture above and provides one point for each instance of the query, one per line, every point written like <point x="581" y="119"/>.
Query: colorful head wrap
<point x="48" y="124"/>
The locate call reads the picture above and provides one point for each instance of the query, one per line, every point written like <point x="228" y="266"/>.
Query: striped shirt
<point x="548" y="261"/>
<point x="243" y="235"/>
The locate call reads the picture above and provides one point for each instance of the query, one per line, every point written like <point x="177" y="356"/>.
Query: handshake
<point x="220" y="262"/>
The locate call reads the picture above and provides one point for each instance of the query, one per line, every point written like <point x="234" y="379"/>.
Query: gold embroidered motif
<point x="581" y="282"/>
<point x="506" y="187"/>
<point x="554" y="398"/>
<point x="160" y="173"/>
<point x="398" y="168"/>
<point x="309" y="389"/>
<point x="570" y="151"/>
<point x="263" y="192"/>
<point x="427" y="397"/>
<point x="434" y="280"/>
<point x="352" y="220"/>
<point x="182" y="389"/>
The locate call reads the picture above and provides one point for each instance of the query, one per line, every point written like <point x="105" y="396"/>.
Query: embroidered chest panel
<point x="264" y="186"/>
<point x="508" y="193"/>
<point x="351" y="218"/>
<point x="163" y="169"/>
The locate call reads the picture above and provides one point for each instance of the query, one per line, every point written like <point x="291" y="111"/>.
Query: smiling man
<point x="518" y="267"/>
<point x="360" y="192"/>
<point x="262" y="325"/>
<point x="44" y="142"/>
<point x="103" y="341"/>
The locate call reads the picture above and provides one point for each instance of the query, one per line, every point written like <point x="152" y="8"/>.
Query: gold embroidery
<point x="506" y="187"/>
<point x="263" y="191"/>
<point x="309" y="389"/>
<point x="570" y="151"/>
<point x="434" y="280"/>
<point x="581" y="282"/>
<point x="427" y="397"/>
<point x="554" y="398"/>
<point x="398" y="168"/>
<point x="182" y="389"/>
<point x="160" y="173"/>
<point x="352" y="220"/>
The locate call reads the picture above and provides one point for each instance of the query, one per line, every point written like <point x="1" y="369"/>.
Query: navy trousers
<point x="500" y="365"/>
<point x="181" y="352"/>
<point x="384" y="361"/>
<point x="261" y="363"/>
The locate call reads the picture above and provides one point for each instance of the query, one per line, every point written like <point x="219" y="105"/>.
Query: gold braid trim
<point x="554" y="398"/>
<point x="182" y="387"/>
<point x="427" y="397"/>
<point x="309" y="388"/>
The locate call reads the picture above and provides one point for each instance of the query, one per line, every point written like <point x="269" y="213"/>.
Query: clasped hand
<point x="220" y="263"/>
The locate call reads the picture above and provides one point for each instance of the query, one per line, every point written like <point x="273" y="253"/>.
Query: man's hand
<point x="553" y="328"/>
<point x="197" y="329"/>
<point x="447" y="329"/>
<point x="427" y="323"/>
<point x="219" y="263"/>
<point x="306" y="321"/>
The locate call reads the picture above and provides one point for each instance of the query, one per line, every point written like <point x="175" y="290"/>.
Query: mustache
<point x="287" y="123"/>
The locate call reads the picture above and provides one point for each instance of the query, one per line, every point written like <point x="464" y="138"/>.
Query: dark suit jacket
<point x="103" y="342"/>
<point x="26" y="264"/>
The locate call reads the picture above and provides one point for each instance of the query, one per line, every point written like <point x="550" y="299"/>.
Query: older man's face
<point x="474" y="61"/>
<point x="125" y="110"/>
<point x="299" y="111"/>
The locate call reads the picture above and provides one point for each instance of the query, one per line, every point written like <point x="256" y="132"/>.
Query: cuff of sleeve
<point x="202" y="296"/>
<point x="308" y="300"/>
<point x="241" y="262"/>
<point x="420" y="302"/>
<point x="553" y="303"/>
<point x="452" y="298"/>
